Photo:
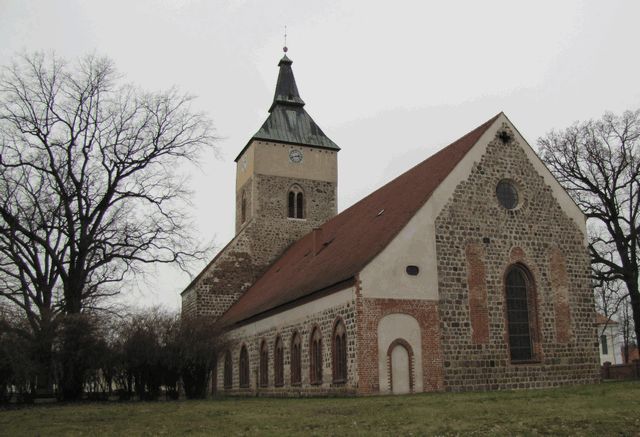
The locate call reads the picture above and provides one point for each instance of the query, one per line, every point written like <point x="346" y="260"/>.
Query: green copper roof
<point x="286" y="89"/>
<point x="288" y="122"/>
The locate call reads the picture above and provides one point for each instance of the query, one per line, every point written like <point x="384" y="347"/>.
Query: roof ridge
<point x="358" y="234"/>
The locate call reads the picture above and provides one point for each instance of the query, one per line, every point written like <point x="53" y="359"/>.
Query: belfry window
<point x="244" y="367"/>
<point x="264" y="364"/>
<point x="315" y="357"/>
<point x="520" y="314"/>
<point x="339" y="353"/>
<point x="243" y="208"/>
<point x="296" y="360"/>
<point x="295" y="203"/>
<point x="278" y="363"/>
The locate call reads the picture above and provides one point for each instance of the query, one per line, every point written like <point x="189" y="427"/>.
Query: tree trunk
<point x="634" y="296"/>
<point x="635" y="311"/>
<point x="43" y="356"/>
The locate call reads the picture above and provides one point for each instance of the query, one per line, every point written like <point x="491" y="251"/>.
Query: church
<point x="467" y="272"/>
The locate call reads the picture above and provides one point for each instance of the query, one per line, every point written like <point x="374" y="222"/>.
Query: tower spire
<point x="286" y="88"/>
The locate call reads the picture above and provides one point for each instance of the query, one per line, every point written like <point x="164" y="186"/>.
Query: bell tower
<point x="286" y="185"/>
<point x="286" y="175"/>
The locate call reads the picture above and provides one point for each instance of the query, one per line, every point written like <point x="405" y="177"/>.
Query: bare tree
<point x="90" y="187"/>
<point x="598" y="163"/>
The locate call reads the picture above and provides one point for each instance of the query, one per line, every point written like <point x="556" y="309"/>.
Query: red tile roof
<point x="351" y="239"/>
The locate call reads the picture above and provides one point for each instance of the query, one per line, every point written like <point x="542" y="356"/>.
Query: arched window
<point x="264" y="364"/>
<point x="315" y="357"/>
<point x="228" y="371"/>
<point x="278" y="362"/>
<point x="296" y="359"/>
<point x="521" y="314"/>
<point x="243" y="208"/>
<point x="244" y="367"/>
<point x="339" y="353"/>
<point x="295" y="202"/>
<point x="299" y="203"/>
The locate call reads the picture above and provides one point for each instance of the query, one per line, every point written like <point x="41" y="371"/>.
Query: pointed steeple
<point x="286" y="89"/>
<point x="288" y="122"/>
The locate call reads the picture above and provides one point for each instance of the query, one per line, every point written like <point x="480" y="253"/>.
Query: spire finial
<point x="285" y="49"/>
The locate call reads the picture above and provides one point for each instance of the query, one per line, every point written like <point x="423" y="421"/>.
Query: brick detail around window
<point x="476" y="280"/>
<point x="559" y="285"/>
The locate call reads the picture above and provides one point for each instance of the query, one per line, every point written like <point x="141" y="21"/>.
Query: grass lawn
<point x="602" y="409"/>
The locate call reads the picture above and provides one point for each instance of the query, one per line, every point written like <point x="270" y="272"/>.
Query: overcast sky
<point x="389" y="82"/>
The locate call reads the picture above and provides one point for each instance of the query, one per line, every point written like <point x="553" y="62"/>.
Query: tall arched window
<point x="278" y="362"/>
<point x="299" y="205"/>
<point x="228" y="371"/>
<point x="244" y="367"/>
<point x="264" y="364"/>
<point x="339" y="352"/>
<point x="295" y="202"/>
<point x="243" y="207"/>
<point x="296" y="359"/>
<point x="315" y="357"/>
<point x="521" y="314"/>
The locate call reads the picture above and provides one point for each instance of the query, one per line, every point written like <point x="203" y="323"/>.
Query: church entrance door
<point x="400" y="377"/>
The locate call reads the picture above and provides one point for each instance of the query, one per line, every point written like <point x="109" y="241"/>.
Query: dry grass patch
<point x="602" y="409"/>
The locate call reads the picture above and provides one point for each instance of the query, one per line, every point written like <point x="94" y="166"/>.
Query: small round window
<point x="507" y="194"/>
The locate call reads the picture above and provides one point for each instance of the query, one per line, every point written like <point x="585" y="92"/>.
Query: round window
<point x="507" y="194"/>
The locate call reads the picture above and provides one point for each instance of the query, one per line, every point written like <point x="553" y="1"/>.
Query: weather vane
<point x="285" y="49"/>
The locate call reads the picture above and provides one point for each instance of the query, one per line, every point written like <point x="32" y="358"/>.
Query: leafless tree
<point x="90" y="184"/>
<point x="598" y="163"/>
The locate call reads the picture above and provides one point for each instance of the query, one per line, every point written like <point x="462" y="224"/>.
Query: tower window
<point x="243" y="208"/>
<point x="295" y="206"/>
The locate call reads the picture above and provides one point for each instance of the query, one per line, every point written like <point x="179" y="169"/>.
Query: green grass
<point x="602" y="409"/>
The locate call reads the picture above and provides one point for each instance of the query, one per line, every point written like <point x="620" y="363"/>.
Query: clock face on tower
<point x="295" y="156"/>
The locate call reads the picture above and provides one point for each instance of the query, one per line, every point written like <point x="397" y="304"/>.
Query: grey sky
<point x="389" y="82"/>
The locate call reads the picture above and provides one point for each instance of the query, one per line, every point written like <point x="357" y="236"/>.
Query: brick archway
<point x="405" y="344"/>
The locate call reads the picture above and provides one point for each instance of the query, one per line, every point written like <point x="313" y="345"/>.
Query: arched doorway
<point x="400" y="367"/>
<point x="400" y="371"/>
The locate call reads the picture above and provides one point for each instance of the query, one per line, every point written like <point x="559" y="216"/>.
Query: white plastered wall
<point x="385" y="276"/>
<point x="295" y="315"/>
<point x="272" y="159"/>
<point x="390" y="328"/>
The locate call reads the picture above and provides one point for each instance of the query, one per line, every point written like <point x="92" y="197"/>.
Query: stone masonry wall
<point x="266" y="233"/>
<point x="325" y="320"/>
<point x="476" y="241"/>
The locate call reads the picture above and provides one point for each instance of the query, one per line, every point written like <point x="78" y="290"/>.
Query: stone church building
<point x="467" y="272"/>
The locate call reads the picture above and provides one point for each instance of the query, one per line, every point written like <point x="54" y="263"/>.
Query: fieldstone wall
<point x="325" y="320"/>
<point x="476" y="242"/>
<point x="266" y="233"/>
